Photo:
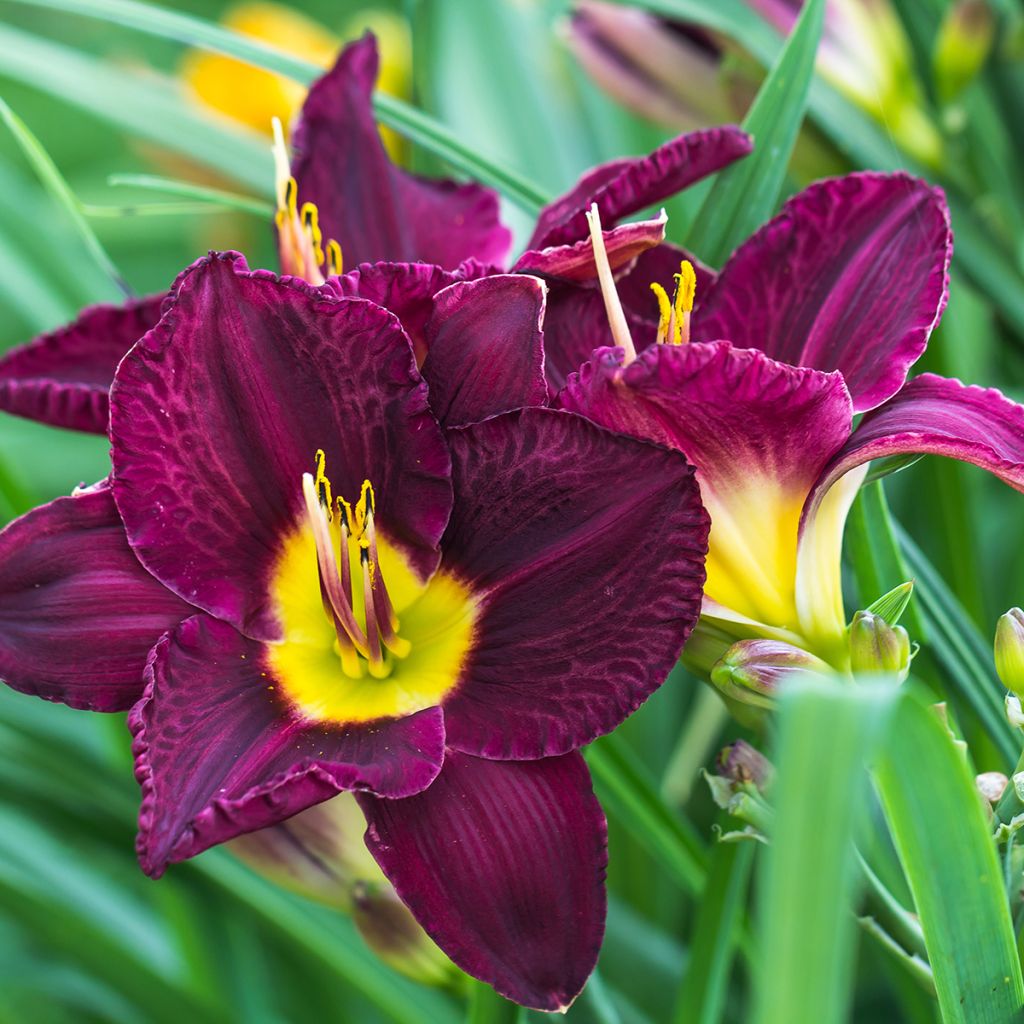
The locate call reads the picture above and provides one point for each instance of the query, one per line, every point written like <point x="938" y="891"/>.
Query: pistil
<point x="612" y="303"/>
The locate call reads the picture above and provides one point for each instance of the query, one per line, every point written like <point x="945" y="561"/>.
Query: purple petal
<point x="219" y="411"/>
<point x="375" y="210"/>
<point x="586" y="550"/>
<point x="63" y="378"/>
<point x="503" y="865"/>
<point x="575" y="262"/>
<point x="78" y="614"/>
<point x="219" y="754"/>
<point x="625" y="186"/>
<point x="759" y="433"/>
<point x="407" y="290"/>
<point x="485" y="348"/>
<point x="851" y="276"/>
<point x="938" y="416"/>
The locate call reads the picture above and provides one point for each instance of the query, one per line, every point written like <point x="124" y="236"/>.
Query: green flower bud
<point x="962" y="46"/>
<point x="1009" y="650"/>
<point x="751" y="670"/>
<point x="875" y="646"/>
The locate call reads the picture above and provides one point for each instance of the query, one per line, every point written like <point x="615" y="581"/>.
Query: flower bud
<point x="751" y="670"/>
<point x="875" y="646"/>
<point x="1009" y="650"/>
<point x="741" y="763"/>
<point x="320" y="854"/>
<point x="991" y="785"/>
<point x="389" y="929"/>
<point x="962" y="46"/>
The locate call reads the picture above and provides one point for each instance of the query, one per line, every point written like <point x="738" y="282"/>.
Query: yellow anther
<point x="335" y="263"/>
<point x="686" y="287"/>
<point x="322" y="484"/>
<point x="664" y="312"/>
<point x="310" y="218"/>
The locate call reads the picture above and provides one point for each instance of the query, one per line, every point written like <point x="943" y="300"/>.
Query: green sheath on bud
<point x="891" y="606"/>
<point x="1009" y="650"/>
<point x="875" y="646"/>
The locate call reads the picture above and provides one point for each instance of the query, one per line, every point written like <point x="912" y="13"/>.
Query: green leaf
<point x="631" y="795"/>
<point x="705" y="984"/>
<point x="944" y="842"/>
<point x="61" y="192"/>
<point x="745" y="195"/>
<point x="143" y="105"/>
<point x="214" y="196"/>
<point x="413" y="124"/>
<point x="826" y="733"/>
<point x="487" y="1007"/>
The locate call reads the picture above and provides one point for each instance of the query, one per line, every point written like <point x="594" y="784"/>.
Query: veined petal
<point x="78" y="614"/>
<point x="625" y="186"/>
<point x="218" y="753"/>
<point x="759" y="433"/>
<point x="219" y="411"/>
<point x="575" y="262"/>
<point x="63" y="378"/>
<point x="851" y="276"/>
<point x="503" y="865"/>
<point x="937" y="416"/>
<point x="585" y="551"/>
<point x="375" y="210"/>
<point x="485" y="348"/>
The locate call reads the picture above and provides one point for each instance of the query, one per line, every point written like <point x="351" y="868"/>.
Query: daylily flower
<point x="817" y="317"/>
<point x="342" y="204"/>
<point x="302" y="585"/>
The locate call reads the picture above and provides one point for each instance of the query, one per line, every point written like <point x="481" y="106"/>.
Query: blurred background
<point x="546" y="88"/>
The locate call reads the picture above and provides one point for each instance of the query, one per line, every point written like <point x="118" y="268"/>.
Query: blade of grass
<point x="413" y="124"/>
<point x="745" y="195"/>
<point x="944" y="842"/>
<point x="826" y="734"/>
<point x="51" y="177"/>
<point x="702" y="994"/>
<point x="188" y="190"/>
<point x="627" y="791"/>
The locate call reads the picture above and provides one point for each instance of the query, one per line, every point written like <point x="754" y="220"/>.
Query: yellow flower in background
<point x="254" y="97"/>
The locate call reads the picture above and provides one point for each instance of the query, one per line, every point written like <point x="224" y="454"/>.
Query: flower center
<point x="300" y="240"/>
<point x="362" y="636"/>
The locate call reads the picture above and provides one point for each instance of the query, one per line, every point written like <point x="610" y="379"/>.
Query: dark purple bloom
<point x="302" y="584"/>
<point x="817" y="317"/>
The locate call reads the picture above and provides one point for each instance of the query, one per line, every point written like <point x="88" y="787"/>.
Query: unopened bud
<point x="1009" y="650"/>
<point x="751" y="670"/>
<point x="320" y="854"/>
<point x="741" y="763"/>
<point x="991" y="785"/>
<point x="1014" y="713"/>
<point x="389" y="929"/>
<point x="875" y="646"/>
<point x="962" y="46"/>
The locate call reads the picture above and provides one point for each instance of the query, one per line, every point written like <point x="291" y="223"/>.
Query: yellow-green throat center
<point x="363" y="636"/>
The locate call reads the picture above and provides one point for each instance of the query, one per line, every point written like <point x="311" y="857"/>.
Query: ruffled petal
<point x="218" y="752"/>
<point x="585" y="551"/>
<point x="372" y="208"/>
<point x="575" y="262"/>
<point x="625" y="186"/>
<point x="485" y="348"/>
<point x="219" y="411"/>
<point x="78" y="614"/>
<point x="63" y="378"/>
<point x="759" y="433"/>
<point x="503" y="864"/>
<point x="405" y="289"/>
<point x="934" y="415"/>
<point x="851" y="276"/>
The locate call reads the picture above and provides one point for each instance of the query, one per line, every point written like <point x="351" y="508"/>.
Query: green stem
<point x="487" y="1007"/>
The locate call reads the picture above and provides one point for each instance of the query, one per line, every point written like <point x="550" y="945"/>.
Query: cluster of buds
<point x="1009" y="658"/>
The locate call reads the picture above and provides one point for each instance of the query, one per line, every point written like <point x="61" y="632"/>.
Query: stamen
<point x="335" y="263"/>
<point x="612" y="304"/>
<point x="664" y="312"/>
<point x="387" y="620"/>
<point x="686" y="291"/>
<point x="323" y="485"/>
<point x="374" y="656"/>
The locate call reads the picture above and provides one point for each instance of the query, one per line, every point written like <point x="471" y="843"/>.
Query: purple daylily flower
<point x="823" y="311"/>
<point x="302" y="584"/>
<point x="341" y="200"/>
